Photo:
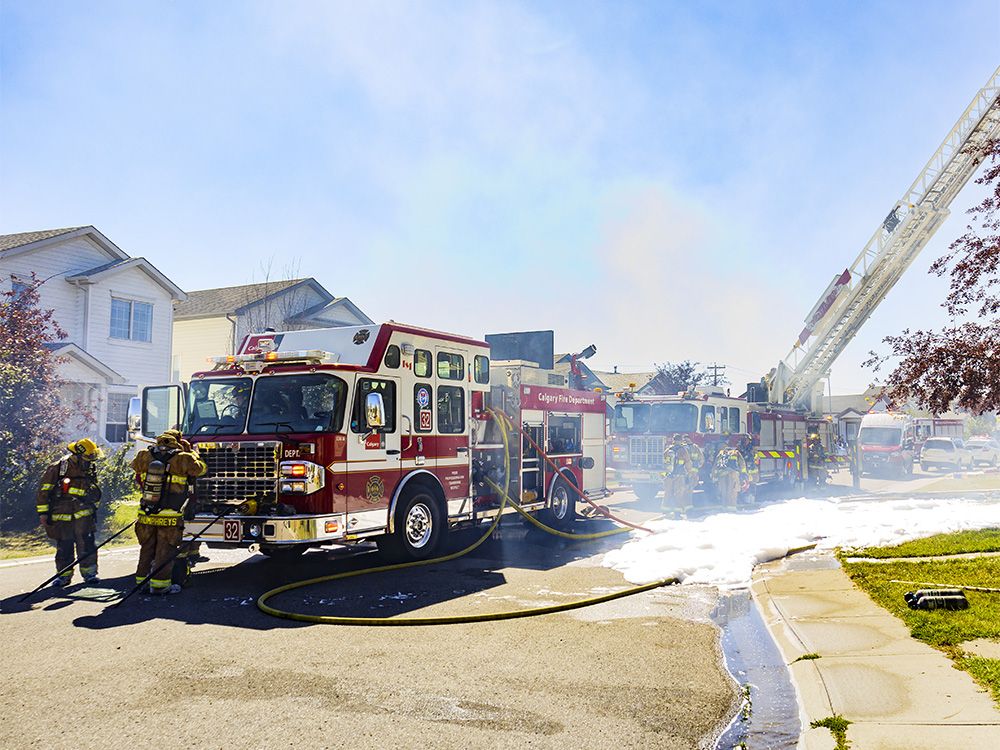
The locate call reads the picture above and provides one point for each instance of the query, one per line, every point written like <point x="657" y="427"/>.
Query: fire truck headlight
<point x="294" y="470"/>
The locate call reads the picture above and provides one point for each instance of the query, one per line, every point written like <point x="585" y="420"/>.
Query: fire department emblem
<point x="423" y="397"/>
<point x="362" y="336"/>
<point x="374" y="489"/>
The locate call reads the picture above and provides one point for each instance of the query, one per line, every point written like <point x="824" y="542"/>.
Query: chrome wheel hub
<point x="419" y="525"/>
<point x="560" y="502"/>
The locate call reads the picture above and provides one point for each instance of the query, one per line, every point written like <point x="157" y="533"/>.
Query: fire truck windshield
<point x="883" y="437"/>
<point x="297" y="403"/>
<point x="218" y="407"/>
<point x="637" y="418"/>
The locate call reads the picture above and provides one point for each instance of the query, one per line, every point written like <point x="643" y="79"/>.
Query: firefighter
<point x="694" y="467"/>
<point x="163" y="473"/>
<point x="751" y="460"/>
<point x="67" y="508"/>
<point x="676" y="460"/>
<point x="817" y="460"/>
<point x="729" y="475"/>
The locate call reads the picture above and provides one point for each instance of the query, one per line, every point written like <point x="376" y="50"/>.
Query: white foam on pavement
<point x="723" y="548"/>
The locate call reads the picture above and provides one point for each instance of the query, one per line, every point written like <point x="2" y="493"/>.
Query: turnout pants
<point x="159" y="539"/>
<point x="75" y="539"/>
<point x="676" y="493"/>
<point x="728" y="486"/>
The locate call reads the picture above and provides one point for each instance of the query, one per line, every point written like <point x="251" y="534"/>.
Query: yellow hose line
<point x="453" y="619"/>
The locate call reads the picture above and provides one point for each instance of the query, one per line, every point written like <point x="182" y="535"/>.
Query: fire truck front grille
<point x="646" y="452"/>
<point x="239" y="471"/>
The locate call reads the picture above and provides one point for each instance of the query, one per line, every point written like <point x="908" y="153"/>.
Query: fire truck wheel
<point x="419" y="528"/>
<point x="562" y="505"/>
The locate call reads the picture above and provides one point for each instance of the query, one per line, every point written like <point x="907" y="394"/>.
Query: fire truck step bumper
<point x="242" y="531"/>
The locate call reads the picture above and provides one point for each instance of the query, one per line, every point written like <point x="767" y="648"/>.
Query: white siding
<point x="139" y="362"/>
<point x="197" y="340"/>
<point x="54" y="263"/>
<point x="89" y="325"/>
<point x="276" y="310"/>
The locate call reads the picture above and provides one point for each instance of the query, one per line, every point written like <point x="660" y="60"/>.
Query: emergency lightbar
<point x="302" y="355"/>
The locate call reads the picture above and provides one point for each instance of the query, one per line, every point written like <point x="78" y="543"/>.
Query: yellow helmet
<point x="85" y="448"/>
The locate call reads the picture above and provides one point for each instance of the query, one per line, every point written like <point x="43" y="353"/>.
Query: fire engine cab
<point x="642" y="427"/>
<point x="338" y="435"/>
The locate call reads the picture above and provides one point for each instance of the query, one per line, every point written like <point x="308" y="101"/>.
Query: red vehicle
<point x="642" y="427"/>
<point x="338" y="435"/>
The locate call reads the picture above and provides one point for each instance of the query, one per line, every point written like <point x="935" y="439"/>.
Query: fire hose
<point x="457" y="619"/>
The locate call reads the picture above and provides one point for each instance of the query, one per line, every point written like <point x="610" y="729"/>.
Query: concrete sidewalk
<point x="899" y="693"/>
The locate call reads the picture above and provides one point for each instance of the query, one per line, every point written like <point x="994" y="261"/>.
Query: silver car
<point x="945" y="452"/>
<point x="984" y="451"/>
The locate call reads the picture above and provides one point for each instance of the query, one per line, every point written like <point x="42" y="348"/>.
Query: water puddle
<point x="769" y="717"/>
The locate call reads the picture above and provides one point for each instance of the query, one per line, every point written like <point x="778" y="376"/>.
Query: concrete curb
<point x="896" y="691"/>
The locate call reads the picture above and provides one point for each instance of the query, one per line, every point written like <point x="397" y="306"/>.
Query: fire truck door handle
<point x="409" y="432"/>
<point x="392" y="452"/>
<point x="461" y="449"/>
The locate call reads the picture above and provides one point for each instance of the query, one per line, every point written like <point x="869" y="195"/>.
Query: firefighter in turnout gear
<point x="697" y="461"/>
<point x="817" y="460"/>
<point x="729" y="475"/>
<point x="676" y="482"/>
<point x="67" y="506"/>
<point x="163" y="473"/>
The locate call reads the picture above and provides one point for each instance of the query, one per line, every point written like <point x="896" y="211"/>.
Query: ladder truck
<point x="789" y="393"/>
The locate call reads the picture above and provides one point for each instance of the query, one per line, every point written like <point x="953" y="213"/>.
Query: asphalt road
<point x="207" y="669"/>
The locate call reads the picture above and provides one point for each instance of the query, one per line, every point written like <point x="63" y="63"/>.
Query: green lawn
<point x="941" y="629"/>
<point x="34" y="542"/>
<point x="981" y="540"/>
<point x="964" y="483"/>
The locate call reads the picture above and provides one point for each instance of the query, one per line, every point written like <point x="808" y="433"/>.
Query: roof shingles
<point x="11" y="241"/>
<point x="227" y="300"/>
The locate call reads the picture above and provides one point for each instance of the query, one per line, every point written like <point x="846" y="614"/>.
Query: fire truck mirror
<point x="374" y="411"/>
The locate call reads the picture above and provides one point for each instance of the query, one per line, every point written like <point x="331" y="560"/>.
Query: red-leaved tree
<point x="960" y="364"/>
<point x="32" y="419"/>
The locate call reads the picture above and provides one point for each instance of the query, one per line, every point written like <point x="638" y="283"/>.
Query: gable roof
<point x="620" y="381"/>
<point x="93" y="274"/>
<point x="69" y="349"/>
<point x="228" y="300"/>
<point x="21" y="242"/>
<point x="325" y="311"/>
<point x="10" y="241"/>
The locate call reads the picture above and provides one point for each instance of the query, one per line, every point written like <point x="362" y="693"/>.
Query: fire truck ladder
<point x="896" y="242"/>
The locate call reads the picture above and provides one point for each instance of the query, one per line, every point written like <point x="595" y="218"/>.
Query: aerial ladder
<point x="853" y="296"/>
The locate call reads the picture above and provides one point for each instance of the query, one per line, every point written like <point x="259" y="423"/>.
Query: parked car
<point x="984" y="451"/>
<point x="945" y="452"/>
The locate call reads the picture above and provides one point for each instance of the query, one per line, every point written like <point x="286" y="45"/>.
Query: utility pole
<point x="718" y="371"/>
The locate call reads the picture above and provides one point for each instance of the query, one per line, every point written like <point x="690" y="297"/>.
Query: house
<point x="212" y="322"/>
<point x="116" y="310"/>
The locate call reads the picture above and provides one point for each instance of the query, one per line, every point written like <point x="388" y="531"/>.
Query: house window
<point x="131" y="320"/>
<point x="116" y="427"/>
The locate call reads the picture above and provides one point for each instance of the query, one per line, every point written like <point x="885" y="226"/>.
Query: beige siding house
<point x="116" y="310"/>
<point x="212" y="322"/>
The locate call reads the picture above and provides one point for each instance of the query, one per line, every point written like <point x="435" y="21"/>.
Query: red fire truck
<point x="773" y="437"/>
<point x="375" y="432"/>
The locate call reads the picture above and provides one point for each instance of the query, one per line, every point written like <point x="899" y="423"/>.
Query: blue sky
<point x="665" y="180"/>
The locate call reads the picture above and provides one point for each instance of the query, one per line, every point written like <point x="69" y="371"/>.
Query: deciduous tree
<point x="958" y="365"/>
<point x="32" y="418"/>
